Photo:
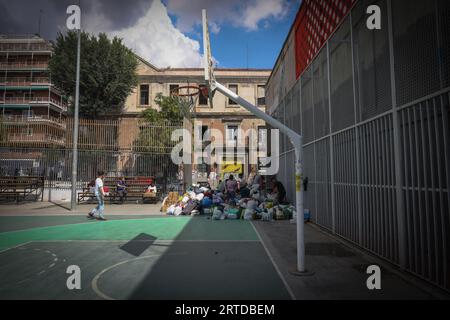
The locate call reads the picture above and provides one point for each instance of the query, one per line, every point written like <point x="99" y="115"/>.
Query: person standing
<point x="213" y="178"/>
<point x="97" y="212"/>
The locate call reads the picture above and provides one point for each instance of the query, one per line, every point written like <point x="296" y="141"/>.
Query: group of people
<point x="232" y="186"/>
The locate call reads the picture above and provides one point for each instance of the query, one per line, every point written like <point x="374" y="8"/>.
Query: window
<point x="231" y="134"/>
<point x="261" y="96"/>
<point x="234" y="88"/>
<point x="144" y="89"/>
<point x="262" y="138"/>
<point x="27" y="113"/>
<point x="173" y="88"/>
<point x="205" y="133"/>
<point x="202" y="99"/>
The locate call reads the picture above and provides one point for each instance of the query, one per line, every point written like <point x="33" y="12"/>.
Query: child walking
<point x="97" y="212"/>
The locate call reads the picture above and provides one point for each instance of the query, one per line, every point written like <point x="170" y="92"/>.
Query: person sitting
<point x="244" y="191"/>
<point x="278" y="191"/>
<point x="231" y="187"/>
<point x="121" y="188"/>
<point x="221" y="186"/>
<point x="151" y="188"/>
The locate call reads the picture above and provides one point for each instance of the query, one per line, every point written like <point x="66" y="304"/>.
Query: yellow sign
<point x="298" y="182"/>
<point x="234" y="168"/>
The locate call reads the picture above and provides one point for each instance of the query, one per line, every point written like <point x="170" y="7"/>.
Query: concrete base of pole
<point x="297" y="273"/>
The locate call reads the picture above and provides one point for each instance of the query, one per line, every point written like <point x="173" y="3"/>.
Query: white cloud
<point x="261" y="10"/>
<point x="246" y="14"/>
<point x="155" y="38"/>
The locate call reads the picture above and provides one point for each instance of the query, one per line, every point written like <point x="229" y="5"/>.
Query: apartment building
<point x="31" y="107"/>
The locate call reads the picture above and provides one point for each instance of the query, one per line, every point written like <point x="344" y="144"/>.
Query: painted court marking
<point x="291" y="293"/>
<point x="94" y="283"/>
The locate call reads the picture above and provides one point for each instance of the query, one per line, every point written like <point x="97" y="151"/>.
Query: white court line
<point x="20" y="245"/>
<point x="94" y="283"/>
<point x="291" y="293"/>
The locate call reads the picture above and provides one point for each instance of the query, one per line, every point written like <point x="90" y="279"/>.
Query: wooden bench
<point x="22" y="188"/>
<point x="135" y="189"/>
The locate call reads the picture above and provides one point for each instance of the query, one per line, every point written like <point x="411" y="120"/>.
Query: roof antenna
<point x="247" y="55"/>
<point x="39" y="22"/>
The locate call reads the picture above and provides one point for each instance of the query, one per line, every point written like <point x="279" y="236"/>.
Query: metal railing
<point x="35" y="100"/>
<point x="23" y="65"/>
<point x="25" y="47"/>
<point x="10" y="119"/>
<point x="24" y="81"/>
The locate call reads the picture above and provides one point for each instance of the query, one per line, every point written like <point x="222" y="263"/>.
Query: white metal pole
<point x="73" y="203"/>
<point x="296" y="140"/>
<point x="299" y="207"/>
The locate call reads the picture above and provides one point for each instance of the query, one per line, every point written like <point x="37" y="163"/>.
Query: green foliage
<point x="169" y="110"/>
<point x="107" y="72"/>
<point x="155" y="135"/>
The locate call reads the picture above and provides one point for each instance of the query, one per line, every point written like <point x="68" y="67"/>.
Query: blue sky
<point x="229" y="45"/>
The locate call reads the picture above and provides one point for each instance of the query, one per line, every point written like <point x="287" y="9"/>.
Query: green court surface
<point x="136" y="258"/>
<point x="164" y="228"/>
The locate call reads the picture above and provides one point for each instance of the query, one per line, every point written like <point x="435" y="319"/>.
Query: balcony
<point x="24" y="82"/>
<point x="36" y="119"/>
<point x="40" y="138"/>
<point x="35" y="101"/>
<point x="23" y="65"/>
<point x="25" y="47"/>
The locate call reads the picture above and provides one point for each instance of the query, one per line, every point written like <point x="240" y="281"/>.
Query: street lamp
<point x="74" y="23"/>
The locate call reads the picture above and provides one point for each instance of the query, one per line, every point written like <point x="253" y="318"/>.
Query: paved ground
<point x="139" y="254"/>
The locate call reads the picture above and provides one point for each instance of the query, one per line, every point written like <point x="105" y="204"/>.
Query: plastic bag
<point x="177" y="211"/>
<point x="248" y="214"/>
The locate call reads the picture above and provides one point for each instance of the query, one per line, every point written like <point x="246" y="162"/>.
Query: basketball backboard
<point x="208" y="62"/>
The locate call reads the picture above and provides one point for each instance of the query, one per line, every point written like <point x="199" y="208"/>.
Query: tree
<point x="107" y="72"/>
<point x="169" y="110"/>
<point x="155" y="132"/>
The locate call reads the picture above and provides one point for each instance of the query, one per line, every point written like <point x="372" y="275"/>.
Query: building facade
<point x="32" y="108"/>
<point x="224" y="116"/>
<point x="373" y="109"/>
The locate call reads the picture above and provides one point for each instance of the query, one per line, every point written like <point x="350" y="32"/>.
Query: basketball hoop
<point x="186" y="98"/>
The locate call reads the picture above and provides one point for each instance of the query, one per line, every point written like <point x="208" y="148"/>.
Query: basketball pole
<point x="297" y="141"/>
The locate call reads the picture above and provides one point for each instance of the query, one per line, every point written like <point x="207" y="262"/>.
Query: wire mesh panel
<point x="415" y="49"/>
<point x="371" y="63"/>
<point x="307" y="106"/>
<point x="309" y="172"/>
<point x="323" y="184"/>
<point x="345" y="185"/>
<point x="296" y="117"/>
<point x="425" y="137"/>
<point x="341" y="85"/>
<point x="379" y="215"/>
<point x="290" y="176"/>
<point x="320" y="95"/>
<point x="443" y="20"/>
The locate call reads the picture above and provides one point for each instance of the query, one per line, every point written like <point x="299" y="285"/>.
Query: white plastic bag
<point x="177" y="211"/>
<point x="199" y="196"/>
<point x="248" y="214"/>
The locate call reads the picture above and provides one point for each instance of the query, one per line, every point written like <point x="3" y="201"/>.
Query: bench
<point x="22" y="188"/>
<point x="136" y="187"/>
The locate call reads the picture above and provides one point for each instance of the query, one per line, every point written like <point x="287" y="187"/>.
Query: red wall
<point x="315" y="22"/>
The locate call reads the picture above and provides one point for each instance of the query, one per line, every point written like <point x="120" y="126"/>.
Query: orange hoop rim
<point x="176" y="91"/>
